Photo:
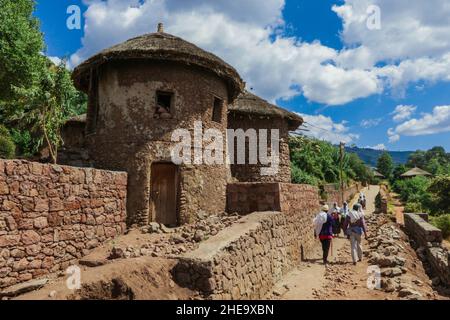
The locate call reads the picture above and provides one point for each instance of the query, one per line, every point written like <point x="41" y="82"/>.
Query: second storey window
<point x="164" y="105"/>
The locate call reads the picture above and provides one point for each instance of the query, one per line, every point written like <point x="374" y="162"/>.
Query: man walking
<point x="354" y="227"/>
<point x="323" y="229"/>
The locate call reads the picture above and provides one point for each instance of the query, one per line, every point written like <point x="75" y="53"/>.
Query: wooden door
<point x="164" y="193"/>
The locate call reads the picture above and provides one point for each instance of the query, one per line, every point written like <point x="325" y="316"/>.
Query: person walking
<point x="323" y="229"/>
<point x="336" y="215"/>
<point x="344" y="214"/>
<point x="354" y="227"/>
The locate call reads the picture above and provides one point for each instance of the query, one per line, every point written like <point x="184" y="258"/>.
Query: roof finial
<point x="160" y="27"/>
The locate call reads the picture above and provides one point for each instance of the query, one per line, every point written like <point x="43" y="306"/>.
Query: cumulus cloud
<point x="403" y="112"/>
<point x="245" y="34"/>
<point x="369" y="123"/>
<point x="438" y="121"/>
<point x="249" y="35"/>
<point x="430" y="123"/>
<point x="324" y="128"/>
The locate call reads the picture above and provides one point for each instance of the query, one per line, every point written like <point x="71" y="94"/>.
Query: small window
<point x="164" y="104"/>
<point x="217" y="111"/>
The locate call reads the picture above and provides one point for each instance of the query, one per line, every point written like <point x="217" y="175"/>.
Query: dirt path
<point x="341" y="280"/>
<point x="309" y="278"/>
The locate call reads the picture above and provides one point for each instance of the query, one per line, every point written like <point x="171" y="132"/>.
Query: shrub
<point x="7" y="146"/>
<point x="413" y="207"/>
<point x="301" y="177"/>
<point x="413" y="190"/>
<point x="443" y="223"/>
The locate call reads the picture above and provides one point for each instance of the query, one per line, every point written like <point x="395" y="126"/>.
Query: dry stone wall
<point x="51" y="215"/>
<point x="247" y="259"/>
<point x="428" y="242"/>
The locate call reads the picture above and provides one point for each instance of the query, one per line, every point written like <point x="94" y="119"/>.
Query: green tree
<point x="435" y="160"/>
<point x="318" y="162"/>
<point x="46" y="106"/>
<point x="398" y="171"/>
<point x="36" y="97"/>
<point x="440" y="195"/>
<point x="21" y="45"/>
<point x="385" y="165"/>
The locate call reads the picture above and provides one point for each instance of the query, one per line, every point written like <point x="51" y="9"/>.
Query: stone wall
<point x="247" y="259"/>
<point x="252" y="172"/>
<point x="51" y="215"/>
<point x="333" y="193"/>
<point x="428" y="241"/>
<point x="244" y="198"/>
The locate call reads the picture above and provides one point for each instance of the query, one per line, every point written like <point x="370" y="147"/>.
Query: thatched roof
<point x="377" y="174"/>
<point x="414" y="172"/>
<point x="248" y="103"/>
<point x="162" y="47"/>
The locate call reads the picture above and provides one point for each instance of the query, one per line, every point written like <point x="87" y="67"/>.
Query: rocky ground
<point x="120" y="269"/>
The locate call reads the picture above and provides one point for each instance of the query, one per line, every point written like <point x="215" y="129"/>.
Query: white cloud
<point x="244" y="34"/>
<point x="369" y="123"/>
<point x="404" y="25"/>
<point x="248" y="34"/>
<point x="393" y="136"/>
<point x="380" y="146"/>
<point x="403" y="112"/>
<point x="431" y="123"/>
<point x="324" y="128"/>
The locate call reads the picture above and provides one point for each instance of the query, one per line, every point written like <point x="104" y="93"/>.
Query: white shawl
<point x="355" y="215"/>
<point x="319" y="221"/>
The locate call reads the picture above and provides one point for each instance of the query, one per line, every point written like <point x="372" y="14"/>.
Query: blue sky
<point x="380" y="88"/>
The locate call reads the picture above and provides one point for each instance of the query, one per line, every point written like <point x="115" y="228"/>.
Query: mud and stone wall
<point x="428" y="240"/>
<point x="333" y="193"/>
<point x="247" y="259"/>
<point x="52" y="215"/>
<point x="252" y="172"/>
<point x="128" y="137"/>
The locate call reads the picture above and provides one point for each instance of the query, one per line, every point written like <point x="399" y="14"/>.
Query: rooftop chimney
<point x="160" y="27"/>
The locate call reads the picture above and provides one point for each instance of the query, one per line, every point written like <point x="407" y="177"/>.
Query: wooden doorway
<point x="164" y="193"/>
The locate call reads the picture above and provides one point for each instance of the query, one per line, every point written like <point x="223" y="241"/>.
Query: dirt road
<point x="341" y="280"/>
<point x="306" y="281"/>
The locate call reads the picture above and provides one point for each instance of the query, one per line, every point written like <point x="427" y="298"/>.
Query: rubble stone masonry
<point x="428" y="239"/>
<point x="247" y="259"/>
<point x="51" y="215"/>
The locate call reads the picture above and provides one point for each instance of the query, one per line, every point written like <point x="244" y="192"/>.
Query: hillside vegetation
<point x="318" y="162"/>
<point x="421" y="193"/>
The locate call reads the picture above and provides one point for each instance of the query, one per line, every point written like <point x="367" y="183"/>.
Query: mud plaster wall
<point x="50" y="216"/>
<point x="127" y="137"/>
<point x="247" y="259"/>
<point x="252" y="172"/>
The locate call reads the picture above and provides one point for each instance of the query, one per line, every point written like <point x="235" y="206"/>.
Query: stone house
<point x="142" y="90"/>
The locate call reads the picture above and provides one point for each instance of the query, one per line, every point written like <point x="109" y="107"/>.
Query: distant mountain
<point x="370" y="156"/>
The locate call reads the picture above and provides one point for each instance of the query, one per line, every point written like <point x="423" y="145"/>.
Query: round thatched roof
<point x="165" y="47"/>
<point x="248" y="103"/>
<point x="415" y="172"/>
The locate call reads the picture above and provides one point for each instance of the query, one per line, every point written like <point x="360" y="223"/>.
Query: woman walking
<point x="354" y="227"/>
<point x="323" y="229"/>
